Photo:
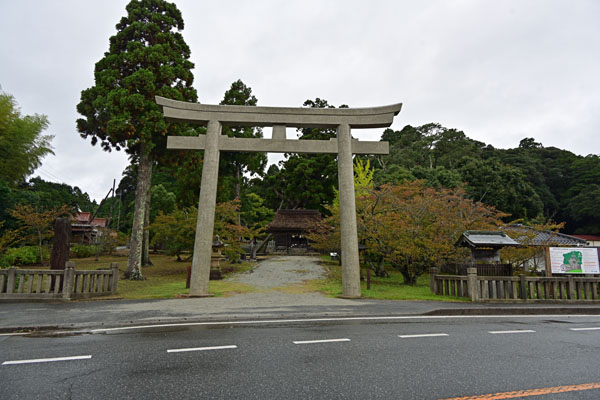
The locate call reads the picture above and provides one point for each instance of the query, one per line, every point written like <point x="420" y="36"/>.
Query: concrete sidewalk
<point x="255" y="306"/>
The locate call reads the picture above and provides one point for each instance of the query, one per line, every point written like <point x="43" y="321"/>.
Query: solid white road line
<point x="320" y="341"/>
<point x="516" y="331"/>
<point x="338" y="319"/>
<point x="43" y="360"/>
<point x="14" y="333"/>
<point x="586" y="329"/>
<point x="423" y="335"/>
<point x="201" y="349"/>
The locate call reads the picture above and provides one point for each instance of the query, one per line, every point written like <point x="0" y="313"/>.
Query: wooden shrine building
<point x="289" y="228"/>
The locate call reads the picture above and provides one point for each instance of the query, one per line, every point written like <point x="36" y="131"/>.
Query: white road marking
<point x="423" y="335"/>
<point x="516" y="331"/>
<point x="320" y="341"/>
<point x="14" y="333"/>
<point x="339" y="319"/>
<point x="586" y="329"/>
<point x="201" y="349"/>
<point x="43" y="360"/>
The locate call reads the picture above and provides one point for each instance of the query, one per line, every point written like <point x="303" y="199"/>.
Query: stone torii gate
<point x="215" y="116"/>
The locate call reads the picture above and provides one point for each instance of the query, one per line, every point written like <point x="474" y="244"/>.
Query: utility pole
<point x="119" y="212"/>
<point x="112" y="204"/>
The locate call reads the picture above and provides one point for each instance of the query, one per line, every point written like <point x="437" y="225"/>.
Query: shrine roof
<point x="294" y="220"/>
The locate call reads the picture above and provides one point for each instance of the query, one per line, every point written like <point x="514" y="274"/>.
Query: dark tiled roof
<point x="543" y="238"/>
<point x="486" y="238"/>
<point x="294" y="220"/>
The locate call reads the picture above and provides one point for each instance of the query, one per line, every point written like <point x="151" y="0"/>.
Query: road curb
<point x="70" y="328"/>
<point x="516" y="311"/>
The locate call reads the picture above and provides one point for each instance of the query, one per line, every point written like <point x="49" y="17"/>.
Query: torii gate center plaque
<point x="215" y="116"/>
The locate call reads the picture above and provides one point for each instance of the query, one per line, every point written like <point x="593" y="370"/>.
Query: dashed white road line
<point x="422" y="335"/>
<point x="320" y="341"/>
<point x="44" y="360"/>
<point x="515" y="331"/>
<point x="586" y="329"/>
<point x="201" y="348"/>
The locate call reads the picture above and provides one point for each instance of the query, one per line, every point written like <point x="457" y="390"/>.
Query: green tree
<point x="38" y="225"/>
<point x="414" y="227"/>
<point x="235" y="165"/>
<point x="254" y="214"/>
<point x="147" y="57"/>
<point x="22" y="145"/>
<point x="308" y="180"/>
<point x="47" y="195"/>
<point x="584" y="210"/>
<point x="428" y="146"/>
<point x="162" y="201"/>
<point x="501" y="186"/>
<point x="176" y="231"/>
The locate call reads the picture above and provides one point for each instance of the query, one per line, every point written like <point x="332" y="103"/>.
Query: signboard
<point x="574" y="260"/>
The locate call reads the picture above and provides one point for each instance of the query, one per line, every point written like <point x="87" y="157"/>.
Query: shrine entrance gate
<point x="215" y="116"/>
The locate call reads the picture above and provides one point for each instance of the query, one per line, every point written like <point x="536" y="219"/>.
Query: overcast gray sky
<point x="498" y="70"/>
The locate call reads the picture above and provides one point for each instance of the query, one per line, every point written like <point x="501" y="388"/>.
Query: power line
<point x="49" y="176"/>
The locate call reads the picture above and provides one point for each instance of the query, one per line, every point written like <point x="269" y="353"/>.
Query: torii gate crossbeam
<point x="215" y="116"/>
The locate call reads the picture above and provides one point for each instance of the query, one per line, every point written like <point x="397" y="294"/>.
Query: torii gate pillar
<point x="278" y="117"/>
<point x="348" y="230"/>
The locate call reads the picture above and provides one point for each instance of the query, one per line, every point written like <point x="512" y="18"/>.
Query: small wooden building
<point x="289" y="228"/>
<point x="84" y="230"/>
<point x="485" y="245"/>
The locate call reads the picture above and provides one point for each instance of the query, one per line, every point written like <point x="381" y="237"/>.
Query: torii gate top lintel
<point x="298" y="117"/>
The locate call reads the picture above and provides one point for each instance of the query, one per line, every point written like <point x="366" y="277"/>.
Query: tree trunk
<point x="379" y="268"/>
<point x="237" y="180"/>
<point x="146" y="245"/>
<point x="142" y="191"/>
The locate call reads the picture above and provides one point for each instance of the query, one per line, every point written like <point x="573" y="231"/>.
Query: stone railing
<point x="64" y="284"/>
<point x="515" y="288"/>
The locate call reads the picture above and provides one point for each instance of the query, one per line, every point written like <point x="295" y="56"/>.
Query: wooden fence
<point x="58" y="284"/>
<point x="482" y="269"/>
<point x="516" y="288"/>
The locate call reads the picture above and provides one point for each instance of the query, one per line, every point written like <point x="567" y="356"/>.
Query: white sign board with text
<point x="574" y="260"/>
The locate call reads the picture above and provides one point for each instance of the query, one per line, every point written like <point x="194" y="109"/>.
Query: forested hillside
<point x="530" y="182"/>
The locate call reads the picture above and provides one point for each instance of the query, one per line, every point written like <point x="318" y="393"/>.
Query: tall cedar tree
<point x="236" y="164"/>
<point x="309" y="180"/>
<point x="147" y="57"/>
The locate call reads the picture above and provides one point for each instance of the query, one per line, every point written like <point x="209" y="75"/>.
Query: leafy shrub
<point x="82" y="251"/>
<point x="25" y="255"/>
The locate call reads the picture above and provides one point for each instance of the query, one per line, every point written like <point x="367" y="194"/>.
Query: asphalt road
<point x="410" y="358"/>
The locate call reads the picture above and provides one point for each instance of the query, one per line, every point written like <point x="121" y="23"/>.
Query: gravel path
<point x="282" y="271"/>
<point x="269" y="277"/>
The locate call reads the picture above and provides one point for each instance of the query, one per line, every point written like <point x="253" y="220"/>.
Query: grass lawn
<point x="166" y="278"/>
<point x="391" y="288"/>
